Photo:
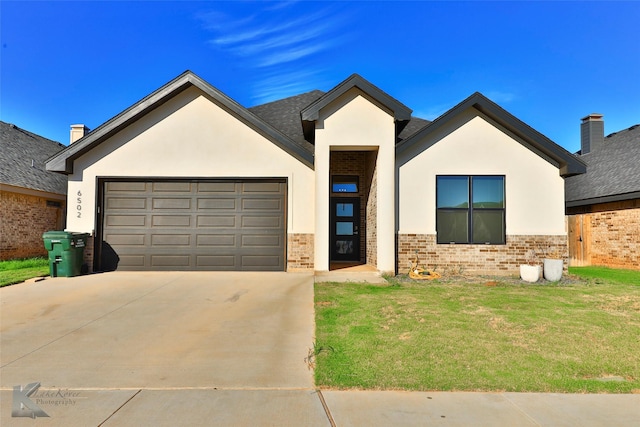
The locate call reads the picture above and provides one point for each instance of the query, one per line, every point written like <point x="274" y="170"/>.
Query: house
<point x="32" y="200"/>
<point x="603" y="205"/>
<point x="188" y="179"/>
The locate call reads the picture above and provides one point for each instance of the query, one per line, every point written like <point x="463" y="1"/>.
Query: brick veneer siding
<point x="476" y="259"/>
<point x="300" y="251"/>
<point x="372" y="218"/>
<point x="614" y="234"/>
<point x="23" y="219"/>
<point x="615" y="238"/>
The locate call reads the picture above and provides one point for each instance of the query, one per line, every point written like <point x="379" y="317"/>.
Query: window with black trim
<point x="344" y="184"/>
<point x="470" y="209"/>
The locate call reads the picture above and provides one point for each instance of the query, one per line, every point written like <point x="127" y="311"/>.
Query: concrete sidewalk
<point x="287" y="407"/>
<point x="217" y="349"/>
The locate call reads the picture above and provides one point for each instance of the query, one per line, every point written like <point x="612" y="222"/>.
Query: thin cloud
<point x="281" y="5"/>
<point x="501" y="97"/>
<point x="278" y="86"/>
<point x="280" y="41"/>
<point x="221" y="22"/>
<point x="272" y="43"/>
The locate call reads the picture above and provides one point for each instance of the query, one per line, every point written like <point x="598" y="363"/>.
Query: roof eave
<point x="567" y="163"/>
<point x="63" y="161"/>
<point x="603" y="199"/>
<point x="310" y="114"/>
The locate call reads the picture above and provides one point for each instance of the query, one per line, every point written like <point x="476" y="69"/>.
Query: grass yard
<point x="17" y="271"/>
<point x="579" y="335"/>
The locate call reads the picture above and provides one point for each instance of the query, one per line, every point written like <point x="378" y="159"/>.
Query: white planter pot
<point x="530" y="273"/>
<point x="553" y="269"/>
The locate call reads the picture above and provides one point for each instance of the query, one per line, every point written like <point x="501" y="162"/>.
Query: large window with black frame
<point x="470" y="209"/>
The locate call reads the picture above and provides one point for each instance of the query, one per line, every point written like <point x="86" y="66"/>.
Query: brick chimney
<point x="77" y="132"/>
<point x="591" y="133"/>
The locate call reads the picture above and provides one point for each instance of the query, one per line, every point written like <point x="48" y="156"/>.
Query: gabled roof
<point x="567" y="163"/>
<point x="613" y="171"/>
<point x="401" y="113"/>
<point x="22" y="160"/>
<point x="63" y="161"/>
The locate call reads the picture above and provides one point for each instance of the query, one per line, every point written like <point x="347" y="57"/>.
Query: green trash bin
<point x="66" y="252"/>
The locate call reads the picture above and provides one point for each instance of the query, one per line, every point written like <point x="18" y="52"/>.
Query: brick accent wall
<point x="372" y="214"/>
<point x="300" y="251"/>
<point x="615" y="238"/>
<point x="476" y="259"/>
<point x="23" y="219"/>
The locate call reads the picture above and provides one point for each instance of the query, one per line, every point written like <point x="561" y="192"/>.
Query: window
<point x="470" y="209"/>
<point x="344" y="184"/>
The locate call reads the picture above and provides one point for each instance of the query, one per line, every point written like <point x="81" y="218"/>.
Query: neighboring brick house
<point x="32" y="199"/>
<point x="603" y="205"/>
<point x="188" y="179"/>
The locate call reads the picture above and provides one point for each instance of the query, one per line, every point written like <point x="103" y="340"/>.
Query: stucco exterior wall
<point x="354" y="122"/>
<point x="474" y="146"/>
<point x="192" y="137"/>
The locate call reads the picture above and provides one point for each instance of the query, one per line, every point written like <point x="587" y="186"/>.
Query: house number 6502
<point x="79" y="204"/>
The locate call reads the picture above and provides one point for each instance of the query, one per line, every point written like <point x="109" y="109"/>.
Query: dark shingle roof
<point x="284" y="115"/>
<point x="414" y="125"/>
<point x="22" y="160"/>
<point x="613" y="171"/>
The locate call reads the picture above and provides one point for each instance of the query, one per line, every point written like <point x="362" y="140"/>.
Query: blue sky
<point x="548" y="63"/>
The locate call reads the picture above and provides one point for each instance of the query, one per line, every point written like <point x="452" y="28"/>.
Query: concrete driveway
<point x="108" y="336"/>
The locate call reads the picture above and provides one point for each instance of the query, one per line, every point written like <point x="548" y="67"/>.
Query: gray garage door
<point x="194" y="225"/>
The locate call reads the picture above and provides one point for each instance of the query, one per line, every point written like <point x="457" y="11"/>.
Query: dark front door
<point x="345" y="229"/>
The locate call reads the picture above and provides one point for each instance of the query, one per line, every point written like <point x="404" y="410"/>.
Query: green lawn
<point x="580" y="335"/>
<point x="17" y="271"/>
<point x="607" y="275"/>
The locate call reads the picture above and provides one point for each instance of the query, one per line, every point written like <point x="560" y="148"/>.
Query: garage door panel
<point x="113" y="187"/>
<point x="223" y="262"/>
<point x="262" y="204"/>
<point x="220" y="221"/>
<point x="170" y="260"/>
<point x="179" y="187"/>
<point x="228" y="240"/>
<point x="196" y="225"/>
<point x="264" y="222"/>
<point x="172" y="203"/>
<point x="129" y="203"/>
<point x="261" y="187"/>
<point x="126" y="239"/>
<point x="171" y="221"/>
<point x="217" y="203"/>
<point x="261" y="241"/>
<point x="126" y="220"/>
<point x="217" y="187"/>
<point x="174" y="240"/>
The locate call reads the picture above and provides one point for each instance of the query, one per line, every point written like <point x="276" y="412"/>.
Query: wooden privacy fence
<point x="579" y="240"/>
